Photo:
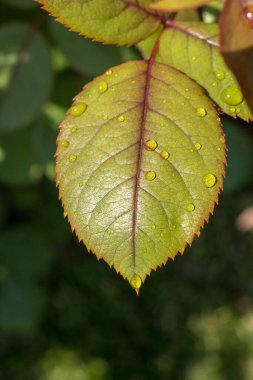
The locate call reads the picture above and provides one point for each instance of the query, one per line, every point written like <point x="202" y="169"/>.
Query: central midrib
<point x="139" y="160"/>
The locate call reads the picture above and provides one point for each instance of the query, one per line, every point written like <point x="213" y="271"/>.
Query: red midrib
<point x="139" y="161"/>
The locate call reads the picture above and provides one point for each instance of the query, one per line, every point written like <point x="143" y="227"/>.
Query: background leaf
<point x="25" y="75"/>
<point x="237" y="45"/>
<point x="158" y="169"/>
<point x="117" y="22"/>
<point x="193" y="48"/>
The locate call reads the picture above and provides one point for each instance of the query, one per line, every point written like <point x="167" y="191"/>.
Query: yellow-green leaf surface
<point x="121" y="22"/>
<point x="140" y="164"/>
<point x="176" y="5"/>
<point x="193" y="48"/>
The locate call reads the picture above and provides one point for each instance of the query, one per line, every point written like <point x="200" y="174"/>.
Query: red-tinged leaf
<point x="236" y="26"/>
<point x="140" y="164"/>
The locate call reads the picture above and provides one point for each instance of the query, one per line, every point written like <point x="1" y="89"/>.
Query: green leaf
<point x="120" y="22"/>
<point x="85" y="56"/>
<point x="25" y="75"/>
<point x="175" y="5"/>
<point x="133" y="206"/>
<point x="193" y="48"/>
<point x="237" y="44"/>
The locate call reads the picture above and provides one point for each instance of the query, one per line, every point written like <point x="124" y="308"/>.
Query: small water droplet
<point x="238" y="110"/>
<point x="210" y="180"/>
<point x="153" y="226"/>
<point x="150" y="175"/>
<point x="108" y="232"/>
<point x="219" y="74"/>
<point x="151" y="145"/>
<point x="135" y="281"/>
<point x="121" y="118"/>
<point x="78" y="109"/>
<point x="198" y="146"/>
<point x="133" y="81"/>
<point x="222" y="139"/>
<point x="218" y="119"/>
<point x="248" y="15"/>
<point x="174" y="227"/>
<point x="145" y="250"/>
<point x="164" y="101"/>
<point x="64" y="143"/>
<point x="201" y="111"/>
<point x="65" y="214"/>
<point x="105" y="117"/>
<point x="190" y="207"/>
<point x="109" y="72"/>
<point x="214" y="84"/>
<point x="73" y="172"/>
<point x="72" y="158"/>
<point x="102" y="87"/>
<point x="194" y="58"/>
<point x="80" y="184"/>
<point x="232" y="109"/>
<point x="164" y="154"/>
<point x="232" y="96"/>
<point x="73" y="130"/>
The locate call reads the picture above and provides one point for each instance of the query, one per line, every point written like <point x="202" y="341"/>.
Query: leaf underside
<point x="120" y="22"/>
<point x="132" y="206"/>
<point x="175" y="5"/>
<point x="193" y="48"/>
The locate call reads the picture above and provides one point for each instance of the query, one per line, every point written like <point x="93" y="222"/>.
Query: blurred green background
<point x="65" y="316"/>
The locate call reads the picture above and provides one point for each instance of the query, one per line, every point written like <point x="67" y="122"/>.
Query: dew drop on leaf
<point x="151" y="145"/>
<point x="219" y="74"/>
<point x="150" y="175"/>
<point x="164" y="154"/>
<point x="72" y="158"/>
<point x="64" y="143"/>
<point x="77" y="109"/>
<point x="135" y="282"/>
<point x="102" y="87"/>
<point x="121" y="118"/>
<point x="190" y="207"/>
<point x="198" y="146"/>
<point x="232" y="109"/>
<point x="214" y="84"/>
<point x="194" y="58"/>
<point x="222" y="139"/>
<point x="210" y="180"/>
<point x="81" y="185"/>
<point x="73" y="130"/>
<point x="109" y="72"/>
<point x="232" y="96"/>
<point x="65" y="214"/>
<point x="153" y="226"/>
<point x="201" y="111"/>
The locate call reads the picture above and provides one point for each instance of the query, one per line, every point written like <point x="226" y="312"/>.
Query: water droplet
<point x="73" y="172"/>
<point x="80" y="184"/>
<point x="174" y="227"/>
<point x="77" y="109"/>
<point x="194" y="58"/>
<point x="214" y="84"/>
<point x="65" y="214"/>
<point x="210" y="180"/>
<point x="121" y="118"/>
<point x="150" y="175"/>
<point x="164" y="101"/>
<point x="133" y="82"/>
<point x="232" y="109"/>
<point x="198" y="146"/>
<point x="72" y="158"/>
<point x="248" y="15"/>
<point x="201" y="111"/>
<point x="151" y="145"/>
<point x="135" y="282"/>
<point x="109" y="72"/>
<point x="232" y="96"/>
<point x="190" y="207"/>
<point x="64" y="143"/>
<point x="145" y="250"/>
<point x="164" y="154"/>
<point x="105" y="117"/>
<point x="219" y="74"/>
<point x="238" y="110"/>
<point x="102" y="87"/>
<point x="109" y="232"/>
<point x="218" y="119"/>
<point x="222" y="139"/>
<point x="73" y="130"/>
<point x="153" y="226"/>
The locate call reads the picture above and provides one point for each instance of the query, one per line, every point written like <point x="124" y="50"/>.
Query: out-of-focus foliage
<point x="65" y="316"/>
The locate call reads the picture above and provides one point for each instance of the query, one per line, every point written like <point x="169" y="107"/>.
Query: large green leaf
<point x="193" y="48"/>
<point x="25" y="75"/>
<point x="175" y="5"/>
<point x="140" y="163"/>
<point x="121" y="22"/>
